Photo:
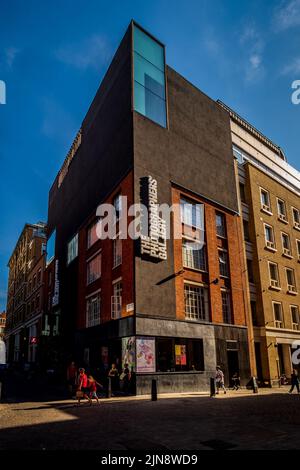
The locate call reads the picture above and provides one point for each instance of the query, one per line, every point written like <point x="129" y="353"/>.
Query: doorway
<point x="233" y="364"/>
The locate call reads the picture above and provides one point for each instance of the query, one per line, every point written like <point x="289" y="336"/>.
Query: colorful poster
<point x="180" y="354"/>
<point x="145" y="355"/>
<point x="128" y="352"/>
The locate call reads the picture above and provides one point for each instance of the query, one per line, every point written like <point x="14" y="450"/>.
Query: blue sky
<point x="53" y="55"/>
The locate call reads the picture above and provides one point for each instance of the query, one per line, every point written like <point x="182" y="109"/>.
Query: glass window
<point x="243" y="192"/>
<point x="118" y="205"/>
<point x="290" y="276"/>
<point x="192" y="214"/>
<point x="149" y="77"/>
<point x="93" y="310"/>
<point x="73" y="248"/>
<point x="295" y="317"/>
<point x="223" y="263"/>
<point x="196" y="302"/>
<point x="116" y="301"/>
<point x="94" y="269"/>
<point x="51" y="247"/>
<point x="254" y="312"/>
<point x="92" y="236"/>
<point x="298" y="248"/>
<point x="246" y="230"/>
<point x="296" y="217"/>
<point x="277" y="310"/>
<point x="265" y="200"/>
<point x="149" y="104"/>
<point x="193" y="254"/>
<point x="281" y="209"/>
<point x="179" y="354"/>
<point x="269" y="236"/>
<point x="274" y="275"/>
<point x="147" y="47"/>
<point x="226" y="306"/>
<point x="250" y="271"/>
<point x="165" y="355"/>
<point x="221" y="224"/>
<point x="286" y="244"/>
<point x="117" y="252"/>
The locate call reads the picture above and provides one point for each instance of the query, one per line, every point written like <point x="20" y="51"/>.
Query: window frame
<point x="274" y="283"/>
<point x="74" y="240"/>
<point x="198" y="315"/>
<point x="272" y="244"/>
<point x="296" y="223"/>
<point x="265" y="207"/>
<point x="282" y="216"/>
<point x="90" y="260"/>
<point x="94" y="295"/>
<point x="278" y="323"/>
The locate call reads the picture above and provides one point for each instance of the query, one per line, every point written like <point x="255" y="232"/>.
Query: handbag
<point x="79" y="394"/>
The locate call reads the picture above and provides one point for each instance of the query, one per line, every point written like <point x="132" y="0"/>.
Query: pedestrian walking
<point x="220" y="380"/>
<point x="92" y="385"/>
<point x="125" y="379"/>
<point x="294" y="381"/>
<point x="72" y="377"/>
<point x="236" y="381"/>
<point x="82" y="386"/>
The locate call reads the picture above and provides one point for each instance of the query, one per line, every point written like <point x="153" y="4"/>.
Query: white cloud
<point x="287" y="15"/>
<point x="92" y="52"/>
<point x="252" y="46"/>
<point x="10" y="55"/>
<point x="293" y="68"/>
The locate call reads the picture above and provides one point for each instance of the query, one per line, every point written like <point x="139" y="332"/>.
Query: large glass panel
<point x="148" y="48"/>
<point x="149" y="76"/>
<point x="51" y="247"/>
<point x="149" y="104"/>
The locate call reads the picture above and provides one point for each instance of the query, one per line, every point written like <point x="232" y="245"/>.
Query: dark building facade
<point x="175" y="308"/>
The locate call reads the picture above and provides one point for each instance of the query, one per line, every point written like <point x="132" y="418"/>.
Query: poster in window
<point x="128" y="352"/>
<point x="180" y="354"/>
<point x="145" y="354"/>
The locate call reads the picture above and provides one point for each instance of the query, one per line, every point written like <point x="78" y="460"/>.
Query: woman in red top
<point x="83" y="389"/>
<point x="93" y="389"/>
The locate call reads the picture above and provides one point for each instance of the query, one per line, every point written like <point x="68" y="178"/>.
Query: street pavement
<point x="238" y="420"/>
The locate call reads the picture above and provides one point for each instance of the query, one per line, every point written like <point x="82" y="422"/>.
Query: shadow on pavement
<point x="189" y="423"/>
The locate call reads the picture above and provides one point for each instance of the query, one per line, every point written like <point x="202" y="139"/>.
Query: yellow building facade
<point x="269" y="190"/>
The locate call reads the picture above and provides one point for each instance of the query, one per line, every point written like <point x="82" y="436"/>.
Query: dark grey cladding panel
<point x="196" y="153"/>
<point x="106" y="152"/>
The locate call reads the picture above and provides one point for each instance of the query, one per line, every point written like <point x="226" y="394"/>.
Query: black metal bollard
<point x="212" y="387"/>
<point x="108" y="391"/>
<point x="154" y="390"/>
<point x="254" y="384"/>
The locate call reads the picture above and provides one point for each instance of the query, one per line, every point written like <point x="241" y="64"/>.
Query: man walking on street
<point x="294" y="381"/>
<point x="220" y="380"/>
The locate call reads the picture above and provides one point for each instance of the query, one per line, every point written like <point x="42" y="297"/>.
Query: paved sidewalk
<point x="191" y="421"/>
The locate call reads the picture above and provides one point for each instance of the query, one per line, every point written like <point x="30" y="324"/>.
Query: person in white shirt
<point x="220" y="380"/>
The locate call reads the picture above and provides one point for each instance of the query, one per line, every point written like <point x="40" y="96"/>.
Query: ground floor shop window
<point x="175" y="355"/>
